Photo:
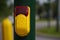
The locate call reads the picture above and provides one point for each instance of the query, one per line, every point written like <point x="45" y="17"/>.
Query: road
<point x="44" y="38"/>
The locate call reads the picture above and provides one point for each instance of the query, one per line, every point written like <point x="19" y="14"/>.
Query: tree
<point x="4" y="9"/>
<point x="53" y="7"/>
<point x="39" y="9"/>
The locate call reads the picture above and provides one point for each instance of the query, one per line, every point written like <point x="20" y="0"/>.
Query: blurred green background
<point x="46" y="9"/>
<point x="6" y="8"/>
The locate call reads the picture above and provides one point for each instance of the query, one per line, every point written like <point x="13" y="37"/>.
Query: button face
<point x="21" y="10"/>
<point x="22" y="20"/>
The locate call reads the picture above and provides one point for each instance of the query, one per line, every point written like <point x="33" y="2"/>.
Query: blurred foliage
<point x="54" y="8"/>
<point x="45" y="8"/>
<point x="4" y="9"/>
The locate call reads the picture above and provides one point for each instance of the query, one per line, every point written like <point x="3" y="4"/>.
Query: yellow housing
<point x="22" y="24"/>
<point x="7" y="30"/>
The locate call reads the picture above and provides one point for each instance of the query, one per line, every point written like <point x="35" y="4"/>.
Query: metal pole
<point x="49" y="14"/>
<point x="57" y="27"/>
<point x="59" y="12"/>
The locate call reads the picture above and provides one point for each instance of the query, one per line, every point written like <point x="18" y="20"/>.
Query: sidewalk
<point x="45" y="24"/>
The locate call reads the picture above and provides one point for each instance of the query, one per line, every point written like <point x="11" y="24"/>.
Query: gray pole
<point x="57" y="27"/>
<point x="59" y="12"/>
<point x="49" y="14"/>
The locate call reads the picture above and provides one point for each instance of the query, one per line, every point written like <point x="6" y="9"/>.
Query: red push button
<point x="21" y="10"/>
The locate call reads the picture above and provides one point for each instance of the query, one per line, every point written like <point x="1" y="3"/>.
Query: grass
<point x="41" y="20"/>
<point x="49" y="31"/>
<point x="44" y="19"/>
